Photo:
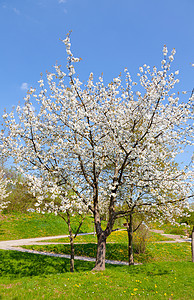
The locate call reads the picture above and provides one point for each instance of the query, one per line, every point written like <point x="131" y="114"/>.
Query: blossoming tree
<point x="53" y="198"/>
<point x="91" y="137"/>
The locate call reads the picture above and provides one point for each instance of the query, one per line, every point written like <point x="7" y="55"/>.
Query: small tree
<point x="89" y="137"/>
<point x="52" y="197"/>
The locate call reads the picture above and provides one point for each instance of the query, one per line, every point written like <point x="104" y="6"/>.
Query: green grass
<point x="18" y="226"/>
<point x="157" y="237"/>
<point x="154" y="251"/>
<point x="166" y="273"/>
<point x="30" y="276"/>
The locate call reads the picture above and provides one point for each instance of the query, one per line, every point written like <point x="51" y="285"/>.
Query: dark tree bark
<point x="130" y="239"/>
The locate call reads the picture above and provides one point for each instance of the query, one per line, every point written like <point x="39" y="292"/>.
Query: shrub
<point x="140" y="239"/>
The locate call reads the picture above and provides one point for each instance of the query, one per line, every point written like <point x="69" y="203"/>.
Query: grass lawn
<point x="166" y="273"/>
<point x="20" y="226"/>
<point x="30" y="276"/>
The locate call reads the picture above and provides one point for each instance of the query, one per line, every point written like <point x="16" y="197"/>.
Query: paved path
<point x="8" y="245"/>
<point x="175" y="238"/>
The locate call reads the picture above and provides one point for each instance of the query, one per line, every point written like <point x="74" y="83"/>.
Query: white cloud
<point x="24" y="86"/>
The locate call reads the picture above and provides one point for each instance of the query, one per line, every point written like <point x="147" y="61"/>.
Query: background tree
<point x="20" y="199"/>
<point x="75" y="133"/>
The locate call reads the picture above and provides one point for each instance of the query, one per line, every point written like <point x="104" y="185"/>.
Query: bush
<point x="140" y="239"/>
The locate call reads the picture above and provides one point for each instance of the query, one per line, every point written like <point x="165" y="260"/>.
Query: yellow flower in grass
<point x="135" y="289"/>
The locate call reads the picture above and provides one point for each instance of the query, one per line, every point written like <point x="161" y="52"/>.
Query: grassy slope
<point x="18" y="226"/>
<point x="29" y="276"/>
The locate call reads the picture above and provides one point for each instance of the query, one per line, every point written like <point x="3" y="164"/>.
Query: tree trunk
<point x="192" y="244"/>
<point x="102" y="235"/>
<point x="130" y="240"/>
<point x="101" y="252"/>
<point x="71" y="243"/>
<point x="72" y="255"/>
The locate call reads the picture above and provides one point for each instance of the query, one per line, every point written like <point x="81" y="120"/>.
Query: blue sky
<point x="108" y="35"/>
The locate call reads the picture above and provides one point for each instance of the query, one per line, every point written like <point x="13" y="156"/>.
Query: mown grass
<point x="30" y="276"/>
<point x="154" y="251"/>
<point x="18" y="226"/>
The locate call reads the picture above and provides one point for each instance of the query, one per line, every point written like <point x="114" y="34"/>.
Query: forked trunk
<point x="130" y="240"/>
<point x="101" y="252"/>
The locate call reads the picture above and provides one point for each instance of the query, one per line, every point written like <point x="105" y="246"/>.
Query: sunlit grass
<point x="18" y="226"/>
<point x="166" y="273"/>
<point x="30" y="276"/>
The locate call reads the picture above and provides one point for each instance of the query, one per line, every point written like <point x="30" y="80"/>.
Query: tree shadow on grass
<point x="18" y="264"/>
<point x="150" y="269"/>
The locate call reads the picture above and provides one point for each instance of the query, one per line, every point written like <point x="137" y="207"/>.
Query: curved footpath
<point x="16" y="246"/>
<point x="175" y="238"/>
